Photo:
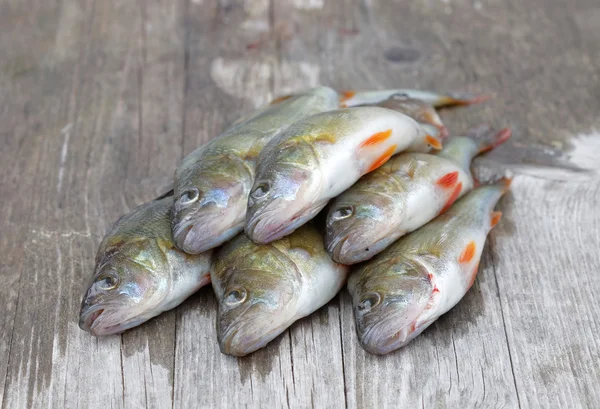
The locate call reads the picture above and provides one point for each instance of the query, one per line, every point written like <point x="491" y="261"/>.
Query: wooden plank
<point x="101" y="152"/>
<point x="100" y="101"/>
<point x="547" y="278"/>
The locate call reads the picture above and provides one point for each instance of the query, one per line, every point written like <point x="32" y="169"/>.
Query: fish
<point x="263" y="289"/>
<point x="212" y="183"/>
<point x="401" y="291"/>
<point x="319" y="157"/>
<point x="438" y="100"/>
<point x="404" y="194"/>
<point x="417" y="109"/>
<point x="139" y="272"/>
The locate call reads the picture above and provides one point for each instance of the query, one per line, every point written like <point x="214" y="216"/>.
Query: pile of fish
<point x="402" y="221"/>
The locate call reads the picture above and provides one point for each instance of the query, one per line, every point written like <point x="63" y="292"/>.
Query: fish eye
<point x="107" y="281"/>
<point x="368" y="301"/>
<point x="261" y="190"/>
<point x="189" y="196"/>
<point x="235" y="297"/>
<point x="342" y="212"/>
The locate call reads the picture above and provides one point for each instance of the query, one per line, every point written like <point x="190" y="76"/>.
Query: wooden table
<point x="101" y="99"/>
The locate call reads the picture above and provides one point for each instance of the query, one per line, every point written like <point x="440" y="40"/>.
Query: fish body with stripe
<point x="263" y="289"/>
<point x="319" y="157"/>
<point x="401" y="291"/>
<point x="404" y="194"/>
<point x="139" y="272"/>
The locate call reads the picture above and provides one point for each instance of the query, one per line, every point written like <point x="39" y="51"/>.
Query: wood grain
<point x="100" y="101"/>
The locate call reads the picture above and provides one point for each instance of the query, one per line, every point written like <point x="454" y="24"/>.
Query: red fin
<point x="468" y="253"/>
<point x="377" y="138"/>
<point x="452" y="198"/>
<point x="345" y="96"/>
<point x="499" y="138"/>
<point x="435" y="290"/>
<point x="280" y="99"/>
<point x="434" y="142"/>
<point x="495" y="218"/>
<point x="448" y="180"/>
<point x="463" y="99"/>
<point x="383" y="158"/>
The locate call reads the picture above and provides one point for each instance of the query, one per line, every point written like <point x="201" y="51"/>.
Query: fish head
<point x="285" y="195"/>
<point x="210" y="204"/>
<point x="387" y="299"/>
<point x="126" y="287"/>
<point x="417" y="109"/>
<point x="360" y="224"/>
<point x="255" y="307"/>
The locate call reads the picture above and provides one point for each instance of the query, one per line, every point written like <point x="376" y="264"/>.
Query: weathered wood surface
<point x="99" y="101"/>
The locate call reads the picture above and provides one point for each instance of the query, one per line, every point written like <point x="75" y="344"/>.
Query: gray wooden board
<point x="99" y="101"/>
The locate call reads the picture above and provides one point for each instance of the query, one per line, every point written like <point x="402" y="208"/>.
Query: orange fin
<point x="383" y="158"/>
<point x="434" y="142"/>
<point x="497" y="139"/>
<point x="468" y="253"/>
<point x="345" y="96"/>
<point x="459" y="98"/>
<point x="280" y="99"/>
<point x="377" y="138"/>
<point x="448" y="180"/>
<point x="506" y="182"/>
<point x="452" y="198"/>
<point x="495" y="218"/>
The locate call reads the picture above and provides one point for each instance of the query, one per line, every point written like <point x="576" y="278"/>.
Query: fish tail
<point x="459" y="98"/>
<point x="488" y="138"/>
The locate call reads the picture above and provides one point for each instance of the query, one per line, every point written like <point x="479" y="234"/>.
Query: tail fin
<point x="488" y="138"/>
<point x="460" y="98"/>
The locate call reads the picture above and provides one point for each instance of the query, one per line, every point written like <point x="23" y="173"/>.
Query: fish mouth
<point x="87" y="319"/>
<point x="197" y="236"/>
<point x="262" y="229"/>
<point x="93" y="321"/>
<point x="239" y="340"/>
<point x="346" y="249"/>
<point x="335" y="248"/>
<point x="382" y="337"/>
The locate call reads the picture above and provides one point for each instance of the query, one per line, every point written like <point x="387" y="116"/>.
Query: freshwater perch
<point x="139" y="272"/>
<point x="319" y="157"/>
<point x="438" y="100"/>
<point x="401" y="291"/>
<point x="212" y="183"/>
<point x="403" y="195"/>
<point x="263" y="289"/>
